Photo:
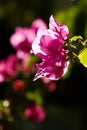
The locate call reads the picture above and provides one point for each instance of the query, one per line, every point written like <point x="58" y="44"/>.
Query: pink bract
<point x="60" y="30"/>
<point x="38" y="24"/>
<point x="36" y="113"/>
<point x="42" y="42"/>
<point x="2" y="70"/>
<point x="48" y="46"/>
<point x="8" y="67"/>
<point x="23" y="37"/>
<point x="52" y="67"/>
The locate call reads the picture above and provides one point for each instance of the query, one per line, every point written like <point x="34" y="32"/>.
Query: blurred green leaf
<point x="85" y="42"/>
<point x="1" y="107"/>
<point x="77" y="44"/>
<point x="68" y="17"/>
<point x="83" y="57"/>
<point x="35" y="96"/>
<point x="83" y="4"/>
<point x="31" y="60"/>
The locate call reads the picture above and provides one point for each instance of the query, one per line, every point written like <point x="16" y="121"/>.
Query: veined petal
<point x="60" y="29"/>
<point x="51" y="45"/>
<point x="36" y="44"/>
<point x="45" y="43"/>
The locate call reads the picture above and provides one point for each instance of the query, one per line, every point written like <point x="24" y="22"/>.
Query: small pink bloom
<point x="40" y="114"/>
<point x="18" y="84"/>
<point x="28" y="112"/>
<point x="23" y="37"/>
<point x="38" y="24"/>
<point x="8" y="67"/>
<point x="36" y="113"/>
<point x="2" y="70"/>
<point x="49" y="84"/>
<point x="11" y="63"/>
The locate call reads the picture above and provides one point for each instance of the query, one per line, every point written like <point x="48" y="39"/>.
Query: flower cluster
<point x="8" y="67"/>
<point x="40" y="49"/>
<point x="17" y="70"/>
<point x="36" y="113"/>
<point x="23" y="37"/>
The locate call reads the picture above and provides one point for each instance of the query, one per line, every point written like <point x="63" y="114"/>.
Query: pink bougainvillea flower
<point x="49" y="84"/>
<point x="11" y="63"/>
<point x="36" y="113"/>
<point x="17" y="64"/>
<point x="8" y="67"/>
<point x="23" y="37"/>
<point x="48" y="47"/>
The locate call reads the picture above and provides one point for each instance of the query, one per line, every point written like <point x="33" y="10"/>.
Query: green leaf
<point x="83" y="57"/>
<point x="85" y="42"/>
<point x="77" y="44"/>
<point x="75" y="38"/>
<point x="31" y="60"/>
<point x="68" y="17"/>
<point x="35" y="96"/>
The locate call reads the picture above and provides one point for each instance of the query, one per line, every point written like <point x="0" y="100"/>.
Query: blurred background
<point x="66" y="107"/>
